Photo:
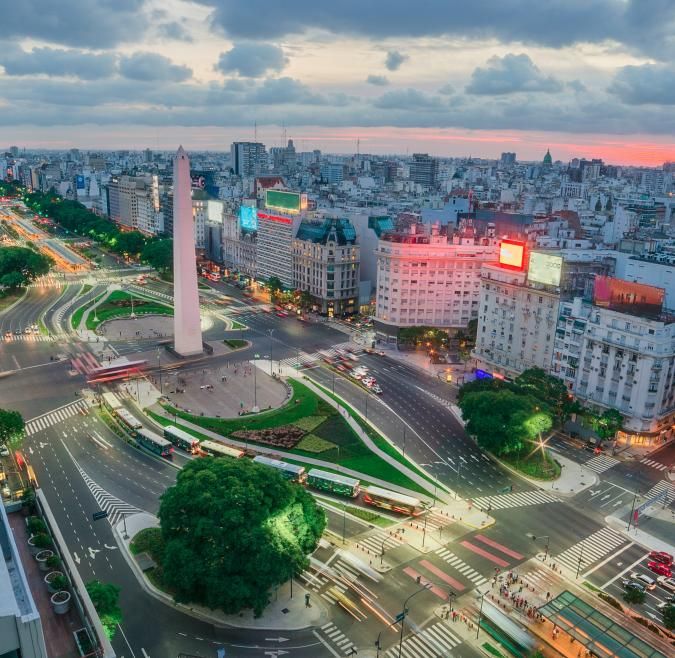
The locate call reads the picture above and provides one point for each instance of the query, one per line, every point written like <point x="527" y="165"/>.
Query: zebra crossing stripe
<point x="435" y="640"/>
<point x="519" y="499"/>
<point x="592" y="549"/>
<point x="462" y="567"/>
<point x="601" y="463"/>
<point x="654" y="464"/>
<point x="659" y="489"/>
<point x="53" y="417"/>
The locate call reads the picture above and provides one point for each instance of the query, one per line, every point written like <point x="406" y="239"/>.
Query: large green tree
<point x="607" y="424"/>
<point x="105" y="598"/>
<point x="669" y="616"/>
<point x="486" y="384"/>
<point x="233" y="530"/>
<point x="11" y="425"/>
<point x="275" y="286"/>
<point x="19" y="265"/>
<point x="549" y="390"/>
<point x="159" y="254"/>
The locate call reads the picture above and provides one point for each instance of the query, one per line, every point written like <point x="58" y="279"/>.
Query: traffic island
<point x="287" y="610"/>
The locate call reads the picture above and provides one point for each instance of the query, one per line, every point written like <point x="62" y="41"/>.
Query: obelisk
<point x="187" y="329"/>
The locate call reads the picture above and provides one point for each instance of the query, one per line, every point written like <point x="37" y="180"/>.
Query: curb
<point x="18" y="301"/>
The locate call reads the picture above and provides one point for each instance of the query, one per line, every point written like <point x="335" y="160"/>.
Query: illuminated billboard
<point x="627" y="296"/>
<point x="545" y="268"/>
<point x="248" y="218"/>
<point x="215" y="211"/>
<point x="286" y="201"/>
<point x="79" y="182"/>
<point x="275" y="218"/>
<point x="512" y="254"/>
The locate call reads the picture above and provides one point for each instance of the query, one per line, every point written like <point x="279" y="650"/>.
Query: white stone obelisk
<point x="187" y="329"/>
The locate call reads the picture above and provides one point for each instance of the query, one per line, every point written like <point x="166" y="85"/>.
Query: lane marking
<point x="499" y="547"/>
<point x="621" y="573"/>
<point x="488" y="556"/>
<point x="611" y="557"/>
<point x="442" y="575"/>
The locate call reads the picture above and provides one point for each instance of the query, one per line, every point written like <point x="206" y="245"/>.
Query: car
<point x="380" y="353"/>
<point x="327" y="360"/>
<point x="17" y="332"/>
<point x="256" y="356"/>
<point x="4" y="451"/>
<point x="666" y="582"/>
<point x="660" y="568"/>
<point x="377" y="389"/>
<point x="631" y="584"/>
<point x="644" y="580"/>
<point x="279" y="314"/>
<point x="27" y="330"/>
<point x="661" y="556"/>
<point x="8" y="334"/>
<point x="340" y="368"/>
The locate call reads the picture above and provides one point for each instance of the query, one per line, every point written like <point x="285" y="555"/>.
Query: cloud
<point x="153" y="67"/>
<point x="394" y="60"/>
<point x="80" y="23"/>
<point x="646" y="84"/>
<point x="643" y="25"/>
<point x="508" y="75"/>
<point x="407" y="99"/>
<point x="57" y="62"/>
<point x="447" y="90"/>
<point x="252" y="60"/>
<point x="378" y="80"/>
<point x="175" y="31"/>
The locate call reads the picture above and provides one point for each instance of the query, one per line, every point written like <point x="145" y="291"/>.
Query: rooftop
<point x="321" y="231"/>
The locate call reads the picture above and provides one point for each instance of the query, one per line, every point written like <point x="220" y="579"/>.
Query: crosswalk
<point x="459" y="565"/>
<point x="47" y="281"/>
<point x="27" y="338"/>
<point x="654" y="464"/>
<point x="334" y="635"/>
<point x="519" y="499"/>
<point x="434" y="641"/>
<point x="601" y="463"/>
<point x="375" y="542"/>
<point x="592" y="549"/>
<point x="117" y="509"/>
<point x="310" y="360"/>
<point x="40" y="423"/>
<point x="659" y="488"/>
<point x="84" y="362"/>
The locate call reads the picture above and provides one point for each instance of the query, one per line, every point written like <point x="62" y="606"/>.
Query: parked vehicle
<point x="659" y="568"/>
<point x="644" y="580"/>
<point x="661" y="556"/>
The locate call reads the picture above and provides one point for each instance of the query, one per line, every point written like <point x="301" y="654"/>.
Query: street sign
<point x="652" y="501"/>
<point x="399" y="617"/>
<point x="101" y="514"/>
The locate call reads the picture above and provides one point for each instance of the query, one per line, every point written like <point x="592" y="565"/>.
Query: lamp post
<point x="270" y="332"/>
<point x="581" y="555"/>
<point x="159" y="368"/>
<point x="402" y="615"/>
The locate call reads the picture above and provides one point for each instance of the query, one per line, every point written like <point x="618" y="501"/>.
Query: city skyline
<point x="453" y="81"/>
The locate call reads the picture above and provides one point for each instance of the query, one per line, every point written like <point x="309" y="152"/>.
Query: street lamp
<point x="270" y="332"/>
<point x="400" y="617"/>
<point x="159" y="368"/>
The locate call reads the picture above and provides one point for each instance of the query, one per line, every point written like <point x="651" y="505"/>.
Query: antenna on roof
<point x="255" y="131"/>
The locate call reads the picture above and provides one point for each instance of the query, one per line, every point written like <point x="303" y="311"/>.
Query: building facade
<point x="133" y="203"/>
<point x="429" y="276"/>
<point x="248" y="158"/>
<point x="326" y="265"/>
<point x="424" y="169"/>
<point x="239" y="246"/>
<point x="274" y="246"/>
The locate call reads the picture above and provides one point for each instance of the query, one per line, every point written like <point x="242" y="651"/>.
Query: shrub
<point x="634" y="596"/>
<point x="60" y="582"/>
<point x="42" y="540"/>
<point x="36" y="525"/>
<point x="313" y="443"/>
<point x="309" y="423"/>
<point x="611" y="600"/>
<point x="53" y="561"/>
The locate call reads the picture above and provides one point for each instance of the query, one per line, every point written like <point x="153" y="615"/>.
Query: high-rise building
<point x="248" y="158"/>
<point x="332" y="173"/>
<point x="14" y="151"/>
<point x="274" y="245"/>
<point x="186" y="319"/>
<point x="133" y="202"/>
<point x="424" y="169"/>
<point x="507" y="159"/>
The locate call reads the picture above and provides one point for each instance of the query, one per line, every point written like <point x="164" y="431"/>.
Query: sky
<point x="448" y="77"/>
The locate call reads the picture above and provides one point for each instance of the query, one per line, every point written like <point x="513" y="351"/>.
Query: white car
<point x="666" y="583"/>
<point x="4" y="451"/>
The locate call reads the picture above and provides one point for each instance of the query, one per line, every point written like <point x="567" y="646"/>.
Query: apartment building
<point x="133" y="203"/>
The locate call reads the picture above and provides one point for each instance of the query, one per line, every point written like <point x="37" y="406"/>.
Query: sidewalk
<point x="573" y="479"/>
<point x="283" y="612"/>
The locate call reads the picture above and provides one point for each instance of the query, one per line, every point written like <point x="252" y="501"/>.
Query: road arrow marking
<point x="110" y="548"/>
<point x="30" y="450"/>
<point x="93" y="551"/>
<point x="276" y="639"/>
<point x="276" y="653"/>
<point x="606" y="497"/>
<point x="76" y="558"/>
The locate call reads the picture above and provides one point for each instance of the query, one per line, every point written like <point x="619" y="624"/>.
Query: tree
<point x="669" y="616"/>
<point x="634" y="595"/>
<point x="498" y="419"/>
<point x="549" y="390"/>
<point x="608" y="424"/>
<point x="233" y="530"/>
<point x="130" y="243"/>
<point x="11" y="425"/>
<point x="19" y="265"/>
<point x="305" y="299"/>
<point x="482" y="385"/>
<point x="159" y="254"/>
<point x="105" y="598"/>
<point x="275" y="286"/>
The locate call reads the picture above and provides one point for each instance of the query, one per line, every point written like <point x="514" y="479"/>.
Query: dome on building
<point x="548" y="160"/>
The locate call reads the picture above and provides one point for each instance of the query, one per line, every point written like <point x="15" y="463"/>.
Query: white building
<point x="274" y="245"/>
<point x="428" y="277"/>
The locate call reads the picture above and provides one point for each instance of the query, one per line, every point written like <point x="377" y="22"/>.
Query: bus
<point x="154" y="443"/>
<point x="333" y="483"/>
<point x="123" y="369"/>
<point x="128" y="419"/>
<point x="181" y="439"/>
<point x="288" y="471"/>
<point x="217" y="449"/>
<point x="393" y="501"/>
<point x="111" y="402"/>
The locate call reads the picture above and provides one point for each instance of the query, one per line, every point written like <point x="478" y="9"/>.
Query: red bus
<point x="113" y="372"/>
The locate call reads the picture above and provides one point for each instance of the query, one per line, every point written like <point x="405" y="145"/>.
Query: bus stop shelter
<point x="598" y="633"/>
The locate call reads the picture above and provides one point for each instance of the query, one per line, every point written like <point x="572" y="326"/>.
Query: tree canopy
<point x="607" y="424"/>
<point x="233" y="530"/>
<point x="159" y="254"/>
<point x="548" y="389"/>
<point x="105" y="598"/>
<point x="11" y="425"/>
<point x="669" y="616"/>
<point x="19" y="265"/>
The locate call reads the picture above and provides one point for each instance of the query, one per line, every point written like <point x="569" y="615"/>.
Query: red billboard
<point x="512" y="254"/>
<point x="627" y="296"/>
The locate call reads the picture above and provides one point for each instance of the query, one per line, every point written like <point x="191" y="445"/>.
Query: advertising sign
<point x="275" y="218"/>
<point x="248" y="218"/>
<point x="281" y="200"/>
<point x="545" y="268"/>
<point x="79" y="182"/>
<point x="215" y="211"/>
<point x="627" y="296"/>
<point x="512" y="254"/>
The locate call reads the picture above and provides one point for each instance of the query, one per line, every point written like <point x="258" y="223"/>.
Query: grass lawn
<point x="346" y="449"/>
<point x="237" y="325"/>
<point x="118" y="305"/>
<point x="235" y="343"/>
<point x="7" y="298"/>
<point x="76" y="317"/>
<point x="538" y="464"/>
<point x="150" y="541"/>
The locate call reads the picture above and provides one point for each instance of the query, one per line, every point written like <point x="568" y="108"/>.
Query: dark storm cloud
<point x="84" y="23"/>
<point x="394" y="60"/>
<point x="377" y="80"/>
<point x="153" y="67"/>
<point x="57" y="62"/>
<point x="510" y="74"/>
<point x="647" y="84"/>
<point x="252" y="60"/>
<point x="643" y="25"/>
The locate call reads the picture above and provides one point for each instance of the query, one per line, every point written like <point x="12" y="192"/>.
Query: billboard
<point x="544" y="268"/>
<point x="79" y="182"/>
<point x="275" y="218"/>
<point x="286" y="201"/>
<point x="248" y="218"/>
<point x="627" y="296"/>
<point x="512" y="254"/>
<point x="215" y="211"/>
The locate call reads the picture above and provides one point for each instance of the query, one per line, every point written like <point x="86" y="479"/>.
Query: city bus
<point x="128" y="419"/>
<point x="111" y="402"/>
<point x="392" y="501"/>
<point x="181" y="439"/>
<point x="291" y="472"/>
<point x="217" y="449"/>
<point x="121" y="370"/>
<point x="333" y="483"/>
<point x="154" y="443"/>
